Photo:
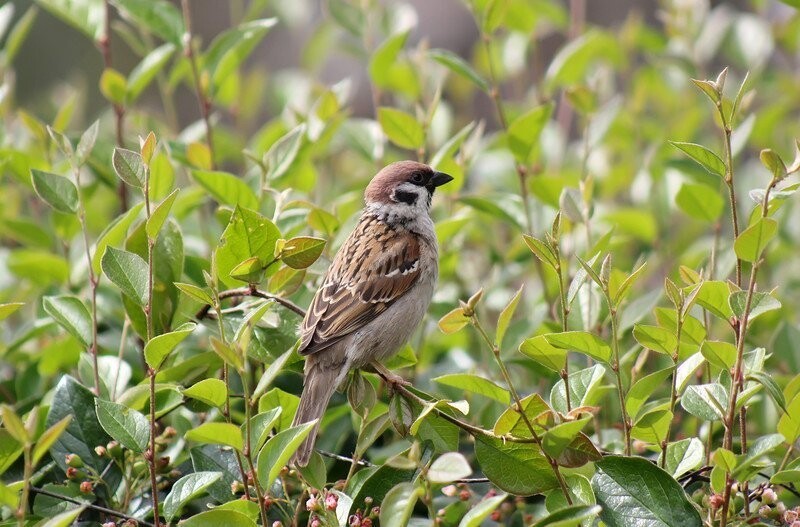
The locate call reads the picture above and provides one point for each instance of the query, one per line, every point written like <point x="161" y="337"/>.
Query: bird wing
<point x="376" y="266"/>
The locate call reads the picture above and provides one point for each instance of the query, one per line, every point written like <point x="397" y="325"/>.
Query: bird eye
<point x="417" y="178"/>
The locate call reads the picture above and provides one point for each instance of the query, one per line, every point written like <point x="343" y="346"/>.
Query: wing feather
<point x="376" y="266"/>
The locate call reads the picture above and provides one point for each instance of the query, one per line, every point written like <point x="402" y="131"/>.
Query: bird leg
<point x="392" y="379"/>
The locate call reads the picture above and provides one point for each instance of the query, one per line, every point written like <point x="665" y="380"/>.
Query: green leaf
<point x="634" y="492"/>
<point x="626" y="284"/>
<point x="84" y="15"/>
<point x="511" y="421"/>
<point x="752" y="241"/>
<point x="261" y="426"/>
<point x="759" y="304"/>
<point x="701" y="202"/>
<point x="713" y="295"/>
<point x="87" y="141"/>
<point x="248" y="234"/>
<point x="113" y="235"/>
<point x="538" y="349"/>
<point x="771" y="386"/>
<point x="789" y="423"/>
<point x="706" y="401"/>
<point x="655" y="338"/>
<point x="525" y="130"/>
<point x="64" y="519"/>
<point x="449" y="467"/>
<point x="231" y="48"/>
<point x="18" y="34"/>
<point x="14" y="425"/>
<point x="212" y="392"/>
<point x="475" y="384"/>
<point x="159" y="215"/>
<point x="644" y="388"/>
<point x="226" y="188"/>
<point x="185" y="490"/>
<point x="718" y="353"/>
<point x="143" y="74"/>
<point x="302" y="251"/>
<point x="217" y="434"/>
<point x="761" y="447"/>
<point x="480" y="511"/>
<point x="277" y="452"/>
<point x="57" y="191"/>
<point x="129" y="167"/>
<point x="571" y="63"/>
<point x="49" y="437"/>
<point x="504" y="319"/>
<point x="283" y="152"/>
<point x="128" y="271"/>
<point x="703" y="156"/>
<point x="459" y="66"/>
<point x="113" y="86"/>
<point x="582" y="342"/>
<point x="652" y="427"/>
<point x="350" y="17"/>
<point x="568" y="516"/>
<point x="684" y="455"/>
<point x="72" y="315"/>
<point x="383" y="65"/>
<point x="542" y="251"/>
<point x="7" y="310"/>
<point x="398" y="505"/>
<point x="198" y="293"/>
<point x="84" y="432"/>
<point x="453" y="321"/>
<point x="558" y="438"/>
<point x="124" y="424"/>
<point x="155" y="16"/>
<point x="584" y="389"/>
<point x="217" y="517"/>
<point x="401" y="128"/>
<point x="517" y="468"/>
<point x="724" y="459"/>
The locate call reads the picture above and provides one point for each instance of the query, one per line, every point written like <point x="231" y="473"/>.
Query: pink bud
<point x="331" y="501"/>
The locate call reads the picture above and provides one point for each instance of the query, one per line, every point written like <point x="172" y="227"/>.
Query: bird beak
<point x="440" y="178"/>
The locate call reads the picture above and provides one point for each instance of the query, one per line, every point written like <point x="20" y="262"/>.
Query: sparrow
<point x="375" y="292"/>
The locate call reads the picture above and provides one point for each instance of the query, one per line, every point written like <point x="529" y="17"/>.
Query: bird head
<point x="405" y="187"/>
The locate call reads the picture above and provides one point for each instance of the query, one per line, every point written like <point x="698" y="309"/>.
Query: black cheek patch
<point x="406" y="197"/>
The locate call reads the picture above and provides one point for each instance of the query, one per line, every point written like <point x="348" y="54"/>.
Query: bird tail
<point x="318" y="389"/>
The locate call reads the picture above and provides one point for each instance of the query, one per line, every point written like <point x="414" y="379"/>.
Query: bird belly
<point x="384" y="336"/>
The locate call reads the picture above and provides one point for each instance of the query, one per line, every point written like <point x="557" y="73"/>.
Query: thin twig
<point x="256" y="293"/>
<point x="98" y="508"/>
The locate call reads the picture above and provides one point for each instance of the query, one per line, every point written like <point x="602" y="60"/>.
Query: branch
<point x="256" y="293"/>
<point x="91" y="506"/>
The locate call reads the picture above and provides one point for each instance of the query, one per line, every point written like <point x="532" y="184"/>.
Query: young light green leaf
<point x="283" y="152"/>
<point x="585" y="388"/>
<point x="459" y="66"/>
<point x="542" y="251"/>
<point x="549" y="356"/>
<point x="57" y="191"/>
<point x="198" y="293"/>
<point x="114" y="234"/>
<point x="506" y="315"/>
<point x="479" y="512"/>
<point x="752" y="241"/>
<point x="655" y="338"/>
<point x="771" y="386"/>
<point x="212" y="392"/>
<point x="159" y="17"/>
<point x="701" y="202"/>
<point x="128" y="271"/>
<point x="219" y="516"/>
<point x="759" y="304"/>
<point x="582" y="342"/>
<point x="49" y="437"/>
<point x="217" y="434"/>
<point x="143" y="73"/>
<point x="7" y="309"/>
<point x="159" y="347"/>
<point x="453" y="321"/>
<point x="113" y="86"/>
<point x="524" y="131"/>
<point x="63" y="519"/>
<point x="652" y="426"/>
<point x="706" y="401"/>
<point x="449" y="467"/>
<point x="124" y="424"/>
<point x="87" y="141"/>
<point x="186" y="489"/>
<point x="475" y="384"/>
<point x="644" y="388"/>
<point x="279" y="449"/>
<point x="13" y="424"/>
<point x="718" y="353"/>
<point x="129" y="167"/>
<point x="72" y="315"/>
<point x="703" y="156"/>
<point x="159" y="215"/>
<point x="634" y="492"/>
<point x="226" y="188"/>
<point x="684" y="455"/>
<point x="398" y="504"/>
<point x="302" y="251"/>
<point x="624" y="287"/>
<point x="401" y="128"/>
<point x="557" y="438"/>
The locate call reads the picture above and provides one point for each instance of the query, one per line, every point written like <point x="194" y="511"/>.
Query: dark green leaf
<point x="634" y="492"/>
<point x="684" y="455"/>
<point x="703" y="156"/>
<point x="129" y="167"/>
<point x="278" y="450"/>
<point x="72" y="315"/>
<point x="124" y="424"/>
<point x="186" y="489"/>
<point x="517" y="468"/>
<point x="128" y="271"/>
